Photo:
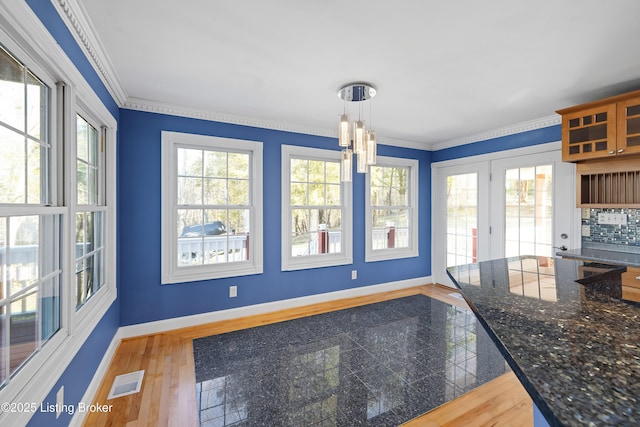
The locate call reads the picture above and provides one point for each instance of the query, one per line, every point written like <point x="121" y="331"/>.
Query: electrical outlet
<point x="586" y="230"/>
<point x="233" y="291"/>
<point x="612" y="218"/>
<point x="586" y="213"/>
<point x="59" y="401"/>
<point x="354" y="274"/>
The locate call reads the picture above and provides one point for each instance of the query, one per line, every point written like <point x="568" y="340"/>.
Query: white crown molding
<point x="177" y="110"/>
<point x="79" y="24"/>
<point x="534" y="124"/>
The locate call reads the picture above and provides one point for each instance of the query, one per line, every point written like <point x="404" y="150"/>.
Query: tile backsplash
<point x="626" y="235"/>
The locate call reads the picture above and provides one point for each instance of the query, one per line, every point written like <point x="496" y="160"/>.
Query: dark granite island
<point x="561" y="325"/>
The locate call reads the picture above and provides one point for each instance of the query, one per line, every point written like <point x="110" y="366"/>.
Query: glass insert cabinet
<point x="603" y="128"/>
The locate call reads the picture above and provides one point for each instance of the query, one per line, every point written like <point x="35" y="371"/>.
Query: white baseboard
<point x="98" y="376"/>
<point x="233" y="313"/>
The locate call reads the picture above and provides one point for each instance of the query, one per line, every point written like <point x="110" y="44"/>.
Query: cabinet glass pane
<point x="574" y="123"/>
<point x="601" y="146"/>
<point x="601" y="117"/>
<point x="588" y="134"/>
<point x="633" y="142"/>
<point x="633" y="125"/>
<point x="587" y="120"/>
<point x="633" y="110"/>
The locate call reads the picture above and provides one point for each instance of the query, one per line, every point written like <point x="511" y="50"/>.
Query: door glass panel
<point x="529" y="211"/>
<point x="462" y="218"/>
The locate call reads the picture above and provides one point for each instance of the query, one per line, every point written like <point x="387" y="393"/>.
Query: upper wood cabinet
<point x="608" y="127"/>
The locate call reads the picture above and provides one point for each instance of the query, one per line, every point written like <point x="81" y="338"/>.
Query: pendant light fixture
<point x="364" y="141"/>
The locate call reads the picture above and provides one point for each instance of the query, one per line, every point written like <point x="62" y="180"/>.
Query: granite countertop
<point x="601" y="255"/>
<point x="565" y="332"/>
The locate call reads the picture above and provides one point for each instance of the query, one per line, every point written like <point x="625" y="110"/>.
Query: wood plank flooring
<point x="168" y="398"/>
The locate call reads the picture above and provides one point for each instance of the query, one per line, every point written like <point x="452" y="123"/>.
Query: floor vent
<point x="126" y="384"/>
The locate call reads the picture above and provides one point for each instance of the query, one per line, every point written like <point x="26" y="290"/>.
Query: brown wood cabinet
<point x="604" y="128"/>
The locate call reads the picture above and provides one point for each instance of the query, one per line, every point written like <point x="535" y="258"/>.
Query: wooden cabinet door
<point x="628" y="114"/>
<point x="589" y="133"/>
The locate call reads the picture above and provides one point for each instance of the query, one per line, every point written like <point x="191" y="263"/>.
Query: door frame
<point x="466" y="164"/>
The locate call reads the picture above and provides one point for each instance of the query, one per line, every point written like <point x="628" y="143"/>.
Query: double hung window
<point x="90" y="210"/>
<point x="316" y="209"/>
<point x="212" y="207"/>
<point x="392" y="209"/>
<point x="30" y="227"/>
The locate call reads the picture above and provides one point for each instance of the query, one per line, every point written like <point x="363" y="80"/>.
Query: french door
<point x="523" y="204"/>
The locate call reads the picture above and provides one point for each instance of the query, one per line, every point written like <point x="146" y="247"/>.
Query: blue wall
<point x="144" y="299"/>
<point x="508" y="142"/>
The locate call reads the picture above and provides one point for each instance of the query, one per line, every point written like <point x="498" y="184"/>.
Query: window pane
<point x="13" y="161"/>
<point x="299" y="170"/>
<point x="81" y="177"/>
<point x="239" y="165"/>
<point x="238" y="192"/>
<point x="528" y="210"/>
<point x="50" y="308"/>
<point x="189" y="191"/>
<point x="316" y="171"/>
<point x="215" y="191"/>
<point x="80" y="236"/>
<point x="23" y="261"/>
<point x="82" y="139"/>
<point x="190" y="162"/>
<point x="22" y="329"/>
<point x="333" y="194"/>
<point x="316" y="194"/>
<point x="86" y="162"/>
<point x="316" y="231"/>
<point x="34" y="162"/>
<point x="89" y="255"/>
<point x="215" y="164"/>
<point x="462" y="216"/>
<point x="298" y="194"/>
<point x="12" y="103"/>
<point x="333" y="172"/>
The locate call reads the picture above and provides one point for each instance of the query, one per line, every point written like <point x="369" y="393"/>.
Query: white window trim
<point x="345" y="257"/>
<point x="22" y="33"/>
<point x="171" y="273"/>
<point x="394" y="253"/>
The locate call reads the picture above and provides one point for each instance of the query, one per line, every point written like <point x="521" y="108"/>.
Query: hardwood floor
<point x="168" y="397"/>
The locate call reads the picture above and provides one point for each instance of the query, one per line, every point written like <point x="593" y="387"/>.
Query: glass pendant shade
<point x="346" y="163"/>
<point x="361" y="160"/>
<point x="344" y="139"/>
<point x="358" y="137"/>
<point x="372" y="148"/>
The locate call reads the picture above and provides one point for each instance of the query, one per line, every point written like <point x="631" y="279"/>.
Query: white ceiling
<point x="445" y="70"/>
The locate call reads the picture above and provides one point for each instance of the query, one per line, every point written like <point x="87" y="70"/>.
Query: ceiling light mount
<point x="356" y="92"/>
